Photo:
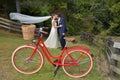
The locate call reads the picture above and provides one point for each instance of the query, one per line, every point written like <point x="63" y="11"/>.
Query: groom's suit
<point x="62" y="30"/>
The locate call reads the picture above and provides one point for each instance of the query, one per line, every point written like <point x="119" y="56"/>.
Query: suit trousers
<point x="62" y="41"/>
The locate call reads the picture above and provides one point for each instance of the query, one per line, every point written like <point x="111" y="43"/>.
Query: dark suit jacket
<point x="62" y="29"/>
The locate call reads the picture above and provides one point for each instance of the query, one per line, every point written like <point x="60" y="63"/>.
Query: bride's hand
<point x="60" y="26"/>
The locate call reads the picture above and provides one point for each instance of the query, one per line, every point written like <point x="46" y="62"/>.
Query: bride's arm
<point x="55" y="25"/>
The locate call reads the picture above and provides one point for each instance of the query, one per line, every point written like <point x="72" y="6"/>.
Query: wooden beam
<point x="10" y="28"/>
<point x="116" y="45"/>
<point x="115" y="69"/>
<point x="9" y="24"/>
<point x="9" y="21"/>
<point x="115" y="57"/>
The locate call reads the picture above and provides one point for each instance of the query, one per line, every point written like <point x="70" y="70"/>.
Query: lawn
<point x="10" y="41"/>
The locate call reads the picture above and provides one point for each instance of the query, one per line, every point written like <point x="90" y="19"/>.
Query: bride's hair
<point x="52" y="15"/>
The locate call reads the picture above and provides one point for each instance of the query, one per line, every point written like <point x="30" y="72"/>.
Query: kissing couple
<point x="58" y="26"/>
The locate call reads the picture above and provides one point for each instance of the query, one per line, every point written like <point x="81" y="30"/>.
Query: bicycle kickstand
<point x="55" y="70"/>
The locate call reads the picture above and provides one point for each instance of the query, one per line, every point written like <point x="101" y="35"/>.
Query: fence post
<point x="115" y="59"/>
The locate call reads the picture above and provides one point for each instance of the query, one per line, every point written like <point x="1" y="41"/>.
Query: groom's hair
<point x="59" y="14"/>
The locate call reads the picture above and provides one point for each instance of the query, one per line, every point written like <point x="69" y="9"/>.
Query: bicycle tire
<point x="20" y="56"/>
<point x="83" y="68"/>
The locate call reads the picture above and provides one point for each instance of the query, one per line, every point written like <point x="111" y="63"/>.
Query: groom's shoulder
<point x="62" y="18"/>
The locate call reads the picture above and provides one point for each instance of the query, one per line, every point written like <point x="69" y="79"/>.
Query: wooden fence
<point x="113" y="56"/>
<point x="11" y="25"/>
<point x="15" y="26"/>
<point x="112" y="49"/>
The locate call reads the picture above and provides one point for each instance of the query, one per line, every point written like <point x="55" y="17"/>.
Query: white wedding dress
<point x="52" y="40"/>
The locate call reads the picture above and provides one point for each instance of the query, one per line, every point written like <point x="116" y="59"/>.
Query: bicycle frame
<point x="70" y="59"/>
<point x="48" y="55"/>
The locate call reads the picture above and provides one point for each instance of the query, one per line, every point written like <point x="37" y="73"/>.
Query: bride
<point x="52" y="40"/>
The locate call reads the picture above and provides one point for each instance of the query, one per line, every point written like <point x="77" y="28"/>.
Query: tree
<point x="18" y="6"/>
<point x="115" y="10"/>
<point x="94" y="16"/>
<point x="7" y="6"/>
<point x="101" y="11"/>
<point x="79" y="17"/>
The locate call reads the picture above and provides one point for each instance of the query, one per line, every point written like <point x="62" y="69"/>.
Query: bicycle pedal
<point x="92" y="55"/>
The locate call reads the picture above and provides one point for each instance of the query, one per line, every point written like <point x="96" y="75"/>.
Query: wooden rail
<point x="11" y="25"/>
<point x="114" y="55"/>
<point x="112" y="52"/>
<point x="15" y="26"/>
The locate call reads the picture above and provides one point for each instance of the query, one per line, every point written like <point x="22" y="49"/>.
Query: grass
<point x="10" y="41"/>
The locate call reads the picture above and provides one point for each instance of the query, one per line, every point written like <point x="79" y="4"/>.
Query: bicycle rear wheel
<point x="80" y="63"/>
<point x="22" y="64"/>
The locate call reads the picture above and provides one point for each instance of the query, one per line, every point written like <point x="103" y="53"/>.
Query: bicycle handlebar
<point x="41" y="31"/>
<point x="44" y="32"/>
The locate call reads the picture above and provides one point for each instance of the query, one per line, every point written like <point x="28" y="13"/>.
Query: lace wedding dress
<point x="52" y="40"/>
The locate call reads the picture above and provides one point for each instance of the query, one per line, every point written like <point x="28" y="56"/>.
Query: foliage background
<point x="95" y="16"/>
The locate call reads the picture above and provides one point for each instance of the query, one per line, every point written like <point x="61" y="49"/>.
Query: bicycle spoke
<point x="23" y="64"/>
<point x="83" y="64"/>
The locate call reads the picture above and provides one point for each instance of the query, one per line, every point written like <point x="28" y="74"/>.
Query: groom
<point x="62" y="29"/>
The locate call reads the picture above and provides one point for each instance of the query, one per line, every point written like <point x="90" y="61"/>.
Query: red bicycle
<point x="76" y="61"/>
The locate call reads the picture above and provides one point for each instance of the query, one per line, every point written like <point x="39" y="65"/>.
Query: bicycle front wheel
<point x="80" y="63"/>
<point x="22" y="64"/>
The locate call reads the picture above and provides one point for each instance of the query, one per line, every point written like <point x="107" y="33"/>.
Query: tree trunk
<point x="18" y="6"/>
